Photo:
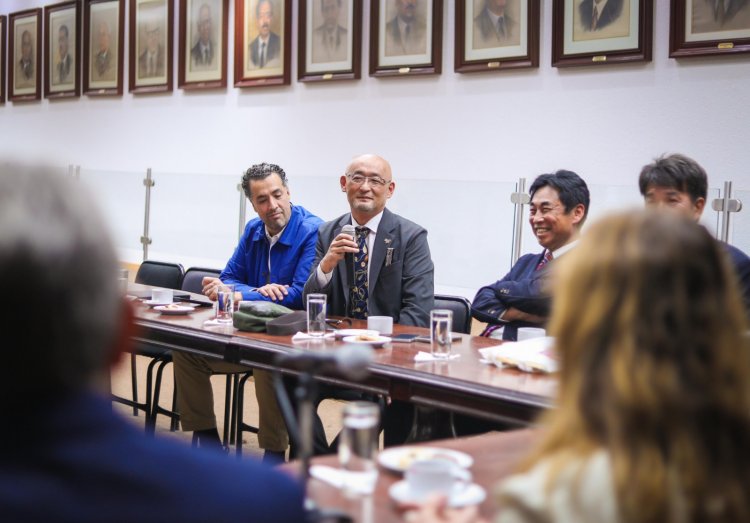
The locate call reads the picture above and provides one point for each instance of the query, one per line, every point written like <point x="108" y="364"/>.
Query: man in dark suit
<point x="65" y="61"/>
<point x="265" y="49"/>
<point x="405" y="34"/>
<point x="559" y="206"/>
<point x="597" y="14"/>
<point x="103" y="58"/>
<point x="395" y="277"/>
<point x="202" y="53"/>
<point x="679" y="183"/>
<point x="66" y="456"/>
<point x="25" y="66"/>
<point x="151" y="61"/>
<point x="493" y="27"/>
<point x="329" y="39"/>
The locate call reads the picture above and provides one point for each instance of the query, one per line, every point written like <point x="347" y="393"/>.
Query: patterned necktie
<point x="359" y="291"/>
<point x="547" y="258"/>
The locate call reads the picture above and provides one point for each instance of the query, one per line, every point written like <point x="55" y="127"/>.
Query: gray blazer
<point x="403" y="290"/>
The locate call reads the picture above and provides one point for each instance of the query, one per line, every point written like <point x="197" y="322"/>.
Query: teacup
<point x="435" y="476"/>
<point x="161" y="296"/>
<point x="382" y="324"/>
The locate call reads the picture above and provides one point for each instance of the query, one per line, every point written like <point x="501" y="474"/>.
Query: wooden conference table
<point x="495" y="454"/>
<point x="464" y="385"/>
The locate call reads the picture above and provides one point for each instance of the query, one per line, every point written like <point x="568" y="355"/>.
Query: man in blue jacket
<point x="271" y="263"/>
<point x="64" y="455"/>
<point x="558" y="209"/>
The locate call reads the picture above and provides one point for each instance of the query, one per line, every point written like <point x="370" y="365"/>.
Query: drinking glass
<point x="441" y="323"/>
<point x="316" y="314"/>
<point x="358" y="446"/>
<point x="225" y="303"/>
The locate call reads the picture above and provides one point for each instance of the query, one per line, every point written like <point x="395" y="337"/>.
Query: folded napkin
<point x="303" y="336"/>
<point x="426" y="356"/>
<point x="339" y="478"/>
<point x="532" y="355"/>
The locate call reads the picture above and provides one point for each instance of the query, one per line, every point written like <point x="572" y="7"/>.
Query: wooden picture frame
<point x="3" y="34"/>
<point x="25" y="55"/>
<point x="622" y="33"/>
<point x="262" y="42"/>
<point x="330" y="40"/>
<point x="150" y="46"/>
<point x="62" y="45"/>
<point x="698" y="28"/>
<point x="202" y="62"/>
<point x="103" y="45"/>
<point x="398" y="51"/>
<point x="484" y="44"/>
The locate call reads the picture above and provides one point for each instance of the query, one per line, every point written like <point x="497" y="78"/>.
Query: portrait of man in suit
<point x="64" y="64"/>
<point x="330" y="39"/>
<point x="709" y="16"/>
<point x="25" y="68"/>
<point x="406" y="33"/>
<point x="203" y="52"/>
<point x="151" y="61"/>
<point x="104" y="58"/>
<point x="265" y="50"/>
<point x="496" y="24"/>
<point x="598" y="14"/>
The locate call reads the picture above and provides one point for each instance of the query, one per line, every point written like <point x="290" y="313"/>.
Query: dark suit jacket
<point x="273" y="50"/>
<point x="143" y="63"/>
<point x="522" y="288"/>
<point x="608" y="15"/>
<point x="403" y="290"/>
<point x="195" y="52"/>
<point x="487" y="29"/>
<point x="741" y="263"/>
<point x="63" y="69"/>
<point x="76" y="460"/>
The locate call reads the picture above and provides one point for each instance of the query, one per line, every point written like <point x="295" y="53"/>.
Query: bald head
<point x="368" y="184"/>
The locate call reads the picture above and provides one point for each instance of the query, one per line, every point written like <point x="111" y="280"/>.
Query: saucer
<point x="174" y="309"/>
<point x="376" y="341"/>
<point x="342" y="333"/>
<point x="398" y="459"/>
<point x="156" y="303"/>
<point x="472" y="494"/>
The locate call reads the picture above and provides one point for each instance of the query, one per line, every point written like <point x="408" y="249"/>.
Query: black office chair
<point x="461" y="308"/>
<point x="158" y="274"/>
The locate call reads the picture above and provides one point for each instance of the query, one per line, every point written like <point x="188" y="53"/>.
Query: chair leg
<point x="151" y="418"/>
<point x="240" y="411"/>
<point x="175" y="424"/>
<point x="227" y="408"/>
<point x="134" y="382"/>
<point x="235" y="399"/>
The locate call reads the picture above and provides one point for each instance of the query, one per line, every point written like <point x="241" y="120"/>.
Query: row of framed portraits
<point x="84" y="42"/>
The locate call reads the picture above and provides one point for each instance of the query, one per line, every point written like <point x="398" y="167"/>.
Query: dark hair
<point x="322" y="4"/>
<point x="675" y="171"/>
<point x="570" y="187"/>
<point x="261" y="171"/>
<point x="64" y="29"/>
<point x="260" y="3"/>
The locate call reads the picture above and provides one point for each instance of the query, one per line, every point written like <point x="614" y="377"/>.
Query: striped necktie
<point x="547" y="258"/>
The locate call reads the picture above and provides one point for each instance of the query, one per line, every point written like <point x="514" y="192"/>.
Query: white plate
<point x="379" y="341"/>
<point x="153" y="303"/>
<point x="343" y="333"/>
<point x="399" y="458"/>
<point x="461" y="497"/>
<point x="174" y="309"/>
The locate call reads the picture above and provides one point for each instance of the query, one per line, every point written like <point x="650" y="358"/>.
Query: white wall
<point x="603" y="122"/>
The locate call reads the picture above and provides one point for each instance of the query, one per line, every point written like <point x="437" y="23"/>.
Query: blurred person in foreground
<point x="653" y="410"/>
<point x="64" y="455"/>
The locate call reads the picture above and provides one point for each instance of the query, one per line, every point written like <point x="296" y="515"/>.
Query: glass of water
<point x="225" y="303"/>
<point x="358" y="446"/>
<point x="441" y="323"/>
<point x="316" y="314"/>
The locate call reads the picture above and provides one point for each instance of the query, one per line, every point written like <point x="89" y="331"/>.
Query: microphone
<point x="350" y="361"/>
<point x="349" y="257"/>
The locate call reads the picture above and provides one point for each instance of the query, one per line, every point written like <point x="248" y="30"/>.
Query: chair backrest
<point x="160" y="274"/>
<point x="192" y="282"/>
<point x="461" y="308"/>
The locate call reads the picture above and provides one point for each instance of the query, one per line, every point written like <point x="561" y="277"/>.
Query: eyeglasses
<point x="360" y="179"/>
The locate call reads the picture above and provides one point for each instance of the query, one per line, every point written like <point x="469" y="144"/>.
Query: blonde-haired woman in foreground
<point x="652" y="423"/>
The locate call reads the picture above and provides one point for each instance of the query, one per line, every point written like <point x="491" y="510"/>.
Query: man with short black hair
<point x="271" y="263"/>
<point x="559" y="206"/>
<point x="679" y="183"/>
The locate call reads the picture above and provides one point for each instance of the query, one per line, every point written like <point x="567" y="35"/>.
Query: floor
<point x="330" y="411"/>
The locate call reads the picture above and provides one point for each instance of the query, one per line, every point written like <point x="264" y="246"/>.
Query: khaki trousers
<point x="195" y="398"/>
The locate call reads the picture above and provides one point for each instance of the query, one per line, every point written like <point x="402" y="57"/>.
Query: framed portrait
<point x="25" y="55"/>
<point x="150" y="46"/>
<point x="406" y="37"/>
<point x="585" y="32"/>
<point x="493" y="35"/>
<point x="203" y="44"/>
<point x="62" y="44"/>
<point x="262" y="42"/>
<point x="709" y="27"/>
<point x="103" y="44"/>
<point x="3" y="32"/>
<point x="330" y="40"/>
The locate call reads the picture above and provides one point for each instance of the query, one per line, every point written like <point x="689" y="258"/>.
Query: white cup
<point x="527" y="333"/>
<point x="382" y="324"/>
<point x="162" y="296"/>
<point x="435" y="476"/>
<point x="122" y="281"/>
